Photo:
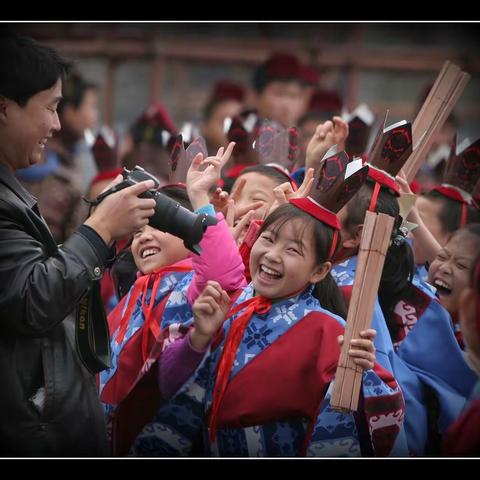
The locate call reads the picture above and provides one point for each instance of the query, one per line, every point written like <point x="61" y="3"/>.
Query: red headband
<point x="383" y="179"/>
<point x="319" y="212"/>
<point x="454" y="194"/>
<point x="451" y="192"/>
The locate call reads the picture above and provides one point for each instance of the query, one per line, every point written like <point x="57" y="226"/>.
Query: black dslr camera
<point x="169" y="215"/>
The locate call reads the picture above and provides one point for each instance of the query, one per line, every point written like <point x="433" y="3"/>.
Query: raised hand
<point x="284" y="192"/>
<point x="340" y="132"/>
<point x="209" y="311"/>
<point x="201" y="180"/>
<point x="326" y="135"/>
<point x="362" y="350"/>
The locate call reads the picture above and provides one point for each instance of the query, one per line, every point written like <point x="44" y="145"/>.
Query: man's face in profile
<point x="28" y="128"/>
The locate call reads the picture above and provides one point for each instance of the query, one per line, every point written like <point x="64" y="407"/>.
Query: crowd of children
<point x="232" y="351"/>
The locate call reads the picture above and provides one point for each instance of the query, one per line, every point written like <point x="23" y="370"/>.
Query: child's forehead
<point x="293" y="227"/>
<point x="464" y="242"/>
<point x="255" y="180"/>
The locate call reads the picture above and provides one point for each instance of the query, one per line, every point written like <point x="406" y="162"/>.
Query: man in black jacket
<point x="49" y="404"/>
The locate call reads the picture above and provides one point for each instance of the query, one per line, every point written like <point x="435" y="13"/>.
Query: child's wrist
<point x="198" y="199"/>
<point x="199" y="341"/>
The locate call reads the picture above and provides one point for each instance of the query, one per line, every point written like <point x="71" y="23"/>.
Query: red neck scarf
<point x="257" y="304"/>
<point x="254" y="305"/>
<point x="141" y="287"/>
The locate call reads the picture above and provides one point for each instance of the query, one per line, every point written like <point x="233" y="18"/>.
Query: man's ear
<point x="354" y="237"/>
<point x="321" y="272"/>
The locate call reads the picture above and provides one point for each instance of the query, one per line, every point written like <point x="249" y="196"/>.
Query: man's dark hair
<point x="28" y="67"/>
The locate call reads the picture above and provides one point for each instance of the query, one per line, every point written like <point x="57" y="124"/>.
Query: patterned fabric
<point x="418" y="361"/>
<point x="288" y="426"/>
<point x="126" y="340"/>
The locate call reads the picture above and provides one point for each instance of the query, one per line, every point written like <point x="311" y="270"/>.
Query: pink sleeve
<point x="220" y="260"/>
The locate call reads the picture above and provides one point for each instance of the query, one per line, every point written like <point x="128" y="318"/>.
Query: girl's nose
<point x="445" y="267"/>
<point x="273" y="255"/>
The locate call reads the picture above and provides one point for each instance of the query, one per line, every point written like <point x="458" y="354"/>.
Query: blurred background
<point x="386" y="65"/>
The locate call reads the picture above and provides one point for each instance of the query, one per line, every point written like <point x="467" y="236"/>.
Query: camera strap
<point x="92" y="336"/>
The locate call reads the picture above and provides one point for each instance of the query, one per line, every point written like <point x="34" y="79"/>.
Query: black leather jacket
<point x="40" y="286"/>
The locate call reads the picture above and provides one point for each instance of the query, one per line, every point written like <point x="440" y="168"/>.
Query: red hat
<point x="243" y="129"/>
<point x="276" y="144"/>
<point x="309" y="75"/>
<point x="332" y="188"/>
<point x="155" y="126"/>
<point x="283" y="65"/>
<point x="461" y="179"/>
<point x="105" y="154"/>
<point x="181" y="159"/>
<point x="463" y="166"/>
<point x="226" y="90"/>
<point x="390" y="150"/>
<point x="476" y="193"/>
<point x="325" y="101"/>
<point x="360" y="123"/>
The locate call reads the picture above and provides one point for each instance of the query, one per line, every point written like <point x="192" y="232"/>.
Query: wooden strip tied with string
<point x="374" y="243"/>
<point x="438" y="105"/>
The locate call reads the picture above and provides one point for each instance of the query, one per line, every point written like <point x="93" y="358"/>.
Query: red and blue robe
<point x="130" y="359"/>
<point x="277" y="399"/>
<point x="416" y="357"/>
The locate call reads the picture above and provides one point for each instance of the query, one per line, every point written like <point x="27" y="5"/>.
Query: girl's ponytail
<point x="330" y="297"/>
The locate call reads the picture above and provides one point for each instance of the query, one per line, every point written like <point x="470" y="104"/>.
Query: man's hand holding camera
<point x="122" y="212"/>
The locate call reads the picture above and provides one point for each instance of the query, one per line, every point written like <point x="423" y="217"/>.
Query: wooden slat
<point x="443" y="96"/>
<point x="374" y="244"/>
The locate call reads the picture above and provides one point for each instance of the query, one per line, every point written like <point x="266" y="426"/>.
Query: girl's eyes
<point x="442" y="258"/>
<point x="267" y="238"/>
<point x="461" y="266"/>
<point x="291" y="249"/>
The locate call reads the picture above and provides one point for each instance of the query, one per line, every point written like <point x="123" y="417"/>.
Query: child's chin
<point x="147" y="269"/>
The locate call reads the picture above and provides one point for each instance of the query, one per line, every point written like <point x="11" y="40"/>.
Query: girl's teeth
<point x="270" y="271"/>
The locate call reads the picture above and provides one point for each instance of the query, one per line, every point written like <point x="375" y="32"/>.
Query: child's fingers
<point x="364" y="364"/>
<point x="243" y="210"/>
<point x="213" y="285"/>
<point x="228" y="152"/>
<point x="361" y="354"/>
<point x="197" y="161"/>
<point x="279" y="194"/>
<point x="230" y="214"/>
<point x="242" y="224"/>
<point x="235" y="194"/>
<point x="340" y="340"/>
<point x="220" y="152"/>
<point x="363" y="344"/>
<point x="212" y="302"/>
<point x="305" y="188"/>
<point x="212" y="162"/>
<point x="369" y="333"/>
<point x="202" y="308"/>
<point x="341" y="127"/>
<point x="225" y="298"/>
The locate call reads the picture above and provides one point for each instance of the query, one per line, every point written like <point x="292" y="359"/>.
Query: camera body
<point x="169" y="215"/>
